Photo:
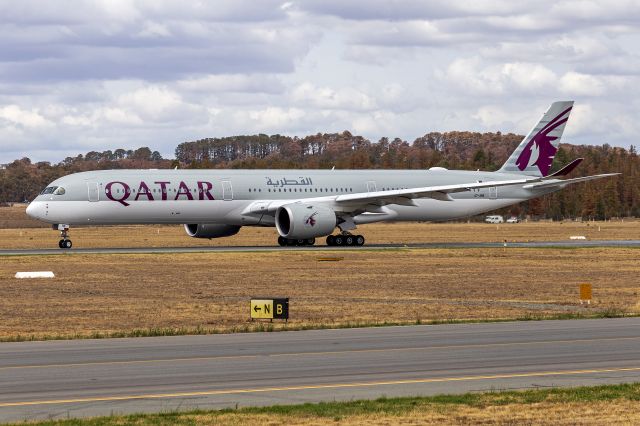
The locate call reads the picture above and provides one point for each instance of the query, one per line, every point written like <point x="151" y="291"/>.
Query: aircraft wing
<point x="440" y="192"/>
<point x="397" y="196"/>
<point x="564" y="182"/>
<point x="347" y="202"/>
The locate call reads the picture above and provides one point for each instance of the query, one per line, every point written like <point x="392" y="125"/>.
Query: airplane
<point x="305" y="204"/>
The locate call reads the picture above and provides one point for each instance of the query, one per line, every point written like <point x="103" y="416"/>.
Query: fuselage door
<point x="94" y="194"/>
<point x="371" y="186"/>
<point x="227" y="191"/>
<point x="493" y="192"/>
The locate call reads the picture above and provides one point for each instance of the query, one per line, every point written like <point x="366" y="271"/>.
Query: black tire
<point x="67" y="244"/>
<point x="282" y="241"/>
<point x="331" y="240"/>
<point x="359" y="240"/>
<point x="339" y="240"/>
<point x="349" y="240"/>
<point x="60" y="243"/>
<point x="291" y="242"/>
<point x="301" y="242"/>
<point x="311" y="241"/>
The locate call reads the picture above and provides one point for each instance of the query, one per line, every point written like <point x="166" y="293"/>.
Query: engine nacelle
<point x="301" y="221"/>
<point x="210" y="230"/>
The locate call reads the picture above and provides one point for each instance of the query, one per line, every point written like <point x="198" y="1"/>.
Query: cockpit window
<point x="59" y="191"/>
<point x="48" y="190"/>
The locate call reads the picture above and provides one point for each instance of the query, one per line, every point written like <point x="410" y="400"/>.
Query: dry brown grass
<point x="112" y="293"/>
<point x="619" y="412"/>
<point x="15" y="217"/>
<point x="20" y="233"/>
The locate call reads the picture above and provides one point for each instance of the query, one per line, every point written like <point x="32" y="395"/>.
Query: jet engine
<point x="301" y="221"/>
<point x="210" y="230"/>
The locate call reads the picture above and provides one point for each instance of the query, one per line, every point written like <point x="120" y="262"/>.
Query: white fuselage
<point x="241" y="197"/>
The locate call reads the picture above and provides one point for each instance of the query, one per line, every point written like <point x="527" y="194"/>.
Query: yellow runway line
<point x="311" y="387"/>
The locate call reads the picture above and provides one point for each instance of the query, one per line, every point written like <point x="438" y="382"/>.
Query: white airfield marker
<point x="35" y="274"/>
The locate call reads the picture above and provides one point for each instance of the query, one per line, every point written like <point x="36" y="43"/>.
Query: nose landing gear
<point x="65" y="242"/>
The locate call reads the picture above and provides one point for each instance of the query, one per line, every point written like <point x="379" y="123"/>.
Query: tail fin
<point x="535" y="153"/>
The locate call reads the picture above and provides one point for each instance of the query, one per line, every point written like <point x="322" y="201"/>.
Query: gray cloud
<point x="84" y="75"/>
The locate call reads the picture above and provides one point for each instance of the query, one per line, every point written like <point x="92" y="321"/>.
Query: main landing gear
<point x="65" y="242"/>
<point x="302" y="242"/>
<point x="345" y="240"/>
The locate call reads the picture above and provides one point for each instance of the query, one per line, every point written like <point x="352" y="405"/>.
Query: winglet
<point x="567" y="169"/>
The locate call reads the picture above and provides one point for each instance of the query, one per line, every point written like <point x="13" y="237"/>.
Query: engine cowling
<point x="300" y="221"/>
<point x="210" y="230"/>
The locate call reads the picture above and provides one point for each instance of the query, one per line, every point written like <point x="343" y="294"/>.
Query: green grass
<point x="258" y="326"/>
<point x="385" y="406"/>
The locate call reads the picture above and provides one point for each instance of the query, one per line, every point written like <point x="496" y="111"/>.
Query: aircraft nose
<point x="34" y="209"/>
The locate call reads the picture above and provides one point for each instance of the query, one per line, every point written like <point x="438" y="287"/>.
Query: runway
<point x="230" y="249"/>
<point x="57" y="379"/>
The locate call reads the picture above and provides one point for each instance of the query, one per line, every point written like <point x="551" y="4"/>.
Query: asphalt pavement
<point x="216" y="249"/>
<point x="58" y="379"/>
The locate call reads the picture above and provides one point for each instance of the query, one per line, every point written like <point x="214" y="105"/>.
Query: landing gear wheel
<point x="310" y="241"/>
<point x="301" y="242"/>
<point x="65" y="242"/>
<point x="331" y="240"/>
<point x="339" y="240"/>
<point x="349" y="240"/>
<point x="282" y="241"/>
<point x="359" y="240"/>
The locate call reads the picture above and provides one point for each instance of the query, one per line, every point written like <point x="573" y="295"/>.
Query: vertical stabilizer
<point x="535" y="153"/>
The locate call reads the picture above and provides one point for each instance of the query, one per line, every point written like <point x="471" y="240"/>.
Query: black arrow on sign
<point x="256" y="309"/>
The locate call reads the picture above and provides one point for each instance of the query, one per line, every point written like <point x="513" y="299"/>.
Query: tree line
<point x="613" y="197"/>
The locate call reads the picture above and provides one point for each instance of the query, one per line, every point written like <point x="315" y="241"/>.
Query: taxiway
<point x="56" y="379"/>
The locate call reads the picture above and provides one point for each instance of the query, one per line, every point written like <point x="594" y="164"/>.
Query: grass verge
<point x="258" y="327"/>
<point x="472" y="407"/>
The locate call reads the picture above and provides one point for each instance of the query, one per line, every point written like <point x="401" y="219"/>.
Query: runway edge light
<point x="269" y="308"/>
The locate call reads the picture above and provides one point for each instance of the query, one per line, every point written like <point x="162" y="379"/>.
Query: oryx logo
<point x="310" y="220"/>
<point x="540" y="150"/>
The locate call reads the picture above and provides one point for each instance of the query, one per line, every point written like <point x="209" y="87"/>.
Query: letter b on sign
<point x="281" y="309"/>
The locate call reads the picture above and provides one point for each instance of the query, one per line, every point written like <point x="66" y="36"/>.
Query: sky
<point x="77" y="76"/>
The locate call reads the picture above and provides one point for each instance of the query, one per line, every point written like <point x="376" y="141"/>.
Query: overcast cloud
<point x="95" y="75"/>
